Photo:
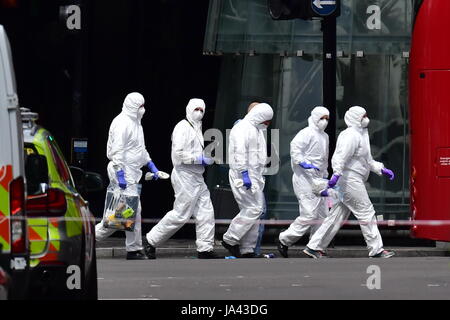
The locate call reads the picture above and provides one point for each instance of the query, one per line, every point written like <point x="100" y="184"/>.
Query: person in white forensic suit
<point x="248" y="156"/>
<point x="352" y="163"/>
<point x="309" y="161"/>
<point x="127" y="154"/>
<point x="257" y="249"/>
<point x="192" y="197"/>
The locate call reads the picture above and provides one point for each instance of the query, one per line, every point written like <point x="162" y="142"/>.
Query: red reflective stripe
<point x="6" y="175"/>
<point x="4" y="229"/>
<point x="50" y="257"/>
<point x="54" y="222"/>
<point x="33" y="235"/>
<point x="53" y="248"/>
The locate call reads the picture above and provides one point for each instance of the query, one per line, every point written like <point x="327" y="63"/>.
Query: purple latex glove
<point x="205" y="161"/>
<point x="153" y="169"/>
<point x="334" y="179"/>
<point x="324" y="193"/>
<point x="121" y="179"/>
<point x="246" y="179"/>
<point x="306" y="165"/>
<point x="388" y="173"/>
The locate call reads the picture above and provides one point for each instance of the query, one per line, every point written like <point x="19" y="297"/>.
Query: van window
<point x="36" y="171"/>
<point x="60" y="163"/>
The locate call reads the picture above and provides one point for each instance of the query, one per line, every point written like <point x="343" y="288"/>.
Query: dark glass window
<point x="36" y="170"/>
<point x="60" y="163"/>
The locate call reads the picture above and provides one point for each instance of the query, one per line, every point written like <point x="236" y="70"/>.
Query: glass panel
<point x="244" y="26"/>
<point x="379" y="84"/>
<point x="300" y="92"/>
<point x="293" y="85"/>
<point x="243" y="80"/>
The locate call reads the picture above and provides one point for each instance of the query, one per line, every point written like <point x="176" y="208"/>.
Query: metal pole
<point x="329" y="77"/>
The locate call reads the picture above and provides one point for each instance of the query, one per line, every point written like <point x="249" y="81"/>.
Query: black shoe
<point x="251" y="255"/>
<point x="136" y="255"/>
<point x="234" y="250"/>
<point x="209" y="255"/>
<point x="384" y="254"/>
<point x="315" y="254"/>
<point x="283" y="249"/>
<point x="150" y="251"/>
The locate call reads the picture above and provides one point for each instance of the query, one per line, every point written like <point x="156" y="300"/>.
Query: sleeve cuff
<point x="377" y="167"/>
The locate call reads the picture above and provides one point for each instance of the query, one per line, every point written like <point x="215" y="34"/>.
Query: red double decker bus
<point x="429" y="95"/>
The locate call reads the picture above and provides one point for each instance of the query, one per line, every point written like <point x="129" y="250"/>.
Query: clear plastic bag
<point x="334" y="194"/>
<point x="319" y="185"/>
<point x="121" y="207"/>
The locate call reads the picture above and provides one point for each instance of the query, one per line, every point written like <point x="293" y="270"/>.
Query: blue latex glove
<point x="153" y="169"/>
<point x="305" y="165"/>
<point x="334" y="179"/>
<point x="121" y="179"/>
<point x="205" y="161"/>
<point x="388" y="173"/>
<point x="324" y="193"/>
<point x="246" y="180"/>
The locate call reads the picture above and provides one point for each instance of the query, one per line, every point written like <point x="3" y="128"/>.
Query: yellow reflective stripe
<point x="37" y="247"/>
<point x="37" y="229"/>
<point x="5" y="245"/>
<point x="37" y="222"/>
<point x="56" y="244"/>
<point x="53" y="231"/>
<point x="34" y="262"/>
<point x="40" y="230"/>
<point x="4" y="201"/>
<point x="54" y="235"/>
<point x="74" y="226"/>
<point x="4" y="209"/>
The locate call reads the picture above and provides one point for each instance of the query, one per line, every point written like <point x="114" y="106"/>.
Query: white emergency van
<point x="14" y="246"/>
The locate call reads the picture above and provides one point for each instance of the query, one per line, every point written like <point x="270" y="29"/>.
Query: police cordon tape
<point x="318" y="222"/>
<point x="272" y="222"/>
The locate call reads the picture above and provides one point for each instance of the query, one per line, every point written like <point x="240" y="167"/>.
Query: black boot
<point x="209" y="255"/>
<point x="150" y="251"/>
<point x="282" y="249"/>
<point x="234" y="250"/>
<point x="136" y="255"/>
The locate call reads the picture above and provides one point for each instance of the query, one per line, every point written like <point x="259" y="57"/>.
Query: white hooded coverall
<point x="353" y="161"/>
<point x="310" y="145"/>
<point x="126" y="151"/>
<point x="192" y="198"/>
<point x="248" y="152"/>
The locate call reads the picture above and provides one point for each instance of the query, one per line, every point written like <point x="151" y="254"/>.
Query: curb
<point x="296" y="252"/>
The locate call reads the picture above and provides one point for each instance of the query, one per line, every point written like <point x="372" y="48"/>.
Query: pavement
<point x="262" y="280"/>
<point x="185" y="248"/>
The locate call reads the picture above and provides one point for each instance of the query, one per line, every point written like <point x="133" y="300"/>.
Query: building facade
<point x="280" y="62"/>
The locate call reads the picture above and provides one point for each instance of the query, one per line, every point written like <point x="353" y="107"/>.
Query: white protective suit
<point x="310" y="145"/>
<point x="353" y="161"/>
<point x="192" y="198"/>
<point x="248" y="152"/>
<point x="126" y="151"/>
